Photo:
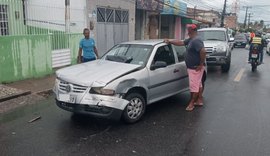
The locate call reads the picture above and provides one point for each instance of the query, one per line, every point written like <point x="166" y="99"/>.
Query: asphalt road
<point x="234" y="121"/>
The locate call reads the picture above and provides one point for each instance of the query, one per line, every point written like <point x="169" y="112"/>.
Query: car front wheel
<point x="226" y="67"/>
<point x="135" y="108"/>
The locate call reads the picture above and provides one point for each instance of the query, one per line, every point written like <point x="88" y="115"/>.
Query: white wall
<point x="50" y="14"/>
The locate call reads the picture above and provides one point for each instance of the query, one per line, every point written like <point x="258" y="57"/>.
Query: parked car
<point x="218" y="47"/>
<point x="240" y="40"/>
<point x="268" y="48"/>
<point x="127" y="78"/>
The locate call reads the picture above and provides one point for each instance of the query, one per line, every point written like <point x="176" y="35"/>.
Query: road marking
<point x="239" y="75"/>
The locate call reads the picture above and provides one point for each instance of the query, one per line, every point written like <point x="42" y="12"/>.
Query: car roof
<point x="212" y="29"/>
<point x="151" y="42"/>
<point x="240" y="34"/>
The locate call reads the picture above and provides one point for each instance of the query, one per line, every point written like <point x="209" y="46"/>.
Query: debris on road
<point x="34" y="119"/>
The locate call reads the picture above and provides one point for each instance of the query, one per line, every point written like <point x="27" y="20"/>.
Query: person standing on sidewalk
<point x="195" y="62"/>
<point x="87" y="50"/>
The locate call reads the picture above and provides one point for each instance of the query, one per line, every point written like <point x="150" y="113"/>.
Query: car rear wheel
<point x="135" y="108"/>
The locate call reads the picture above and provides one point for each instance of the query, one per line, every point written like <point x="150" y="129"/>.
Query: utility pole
<point x="67" y="16"/>
<point x="245" y="22"/>
<point x="195" y="12"/>
<point x="223" y="14"/>
<point x="249" y="15"/>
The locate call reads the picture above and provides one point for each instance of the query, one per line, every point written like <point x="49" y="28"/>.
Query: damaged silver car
<point x="127" y="78"/>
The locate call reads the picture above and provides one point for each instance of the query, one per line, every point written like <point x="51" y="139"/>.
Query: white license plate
<point x="238" y="43"/>
<point x="67" y="98"/>
<point x="254" y="55"/>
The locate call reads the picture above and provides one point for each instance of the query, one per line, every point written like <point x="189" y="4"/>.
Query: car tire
<point x="253" y="67"/>
<point x="226" y="67"/>
<point x="135" y="108"/>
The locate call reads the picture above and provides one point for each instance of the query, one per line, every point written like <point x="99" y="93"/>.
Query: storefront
<point x="159" y="19"/>
<point x="173" y="13"/>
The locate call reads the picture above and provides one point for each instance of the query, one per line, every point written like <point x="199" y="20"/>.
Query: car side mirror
<point x="158" y="64"/>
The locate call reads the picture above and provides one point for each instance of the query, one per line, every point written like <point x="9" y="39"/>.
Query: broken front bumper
<point x="110" y="107"/>
<point x="92" y="110"/>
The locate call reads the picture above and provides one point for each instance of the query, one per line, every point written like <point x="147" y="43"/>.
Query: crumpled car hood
<point x="99" y="72"/>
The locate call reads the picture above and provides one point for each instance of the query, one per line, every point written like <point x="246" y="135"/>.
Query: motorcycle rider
<point x="256" y="41"/>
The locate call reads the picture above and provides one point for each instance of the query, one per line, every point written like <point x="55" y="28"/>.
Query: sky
<point x="259" y="10"/>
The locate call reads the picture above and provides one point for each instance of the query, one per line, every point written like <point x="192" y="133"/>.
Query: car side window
<point x="181" y="52"/>
<point x="165" y="54"/>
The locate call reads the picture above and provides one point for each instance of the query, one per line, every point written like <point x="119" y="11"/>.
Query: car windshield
<point x="240" y="37"/>
<point x="129" y="53"/>
<point x="212" y="35"/>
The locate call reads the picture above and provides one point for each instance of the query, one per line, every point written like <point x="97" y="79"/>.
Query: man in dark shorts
<point x="195" y="62"/>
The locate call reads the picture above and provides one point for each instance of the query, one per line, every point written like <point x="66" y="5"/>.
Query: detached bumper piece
<point x="92" y="110"/>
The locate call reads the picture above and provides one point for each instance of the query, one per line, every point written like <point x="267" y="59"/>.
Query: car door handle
<point x="176" y="70"/>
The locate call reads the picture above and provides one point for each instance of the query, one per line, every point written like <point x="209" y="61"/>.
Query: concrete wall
<point x="24" y="57"/>
<point x="30" y="56"/>
<point x="121" y="4"/>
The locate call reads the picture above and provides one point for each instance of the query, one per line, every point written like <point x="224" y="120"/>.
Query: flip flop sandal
<point x="198" y="104"/>
<point x="190" y="108"/>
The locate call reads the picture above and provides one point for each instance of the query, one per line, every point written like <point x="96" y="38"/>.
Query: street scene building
<point x="134" y="77"/>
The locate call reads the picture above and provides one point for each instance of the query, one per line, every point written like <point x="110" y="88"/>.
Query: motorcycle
<point x="255" y="58"/>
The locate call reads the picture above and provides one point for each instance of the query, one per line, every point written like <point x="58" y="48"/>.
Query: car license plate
<point x="254" y="55"/>
<point x="67" y="98"/>
<point x="238" y="43"/>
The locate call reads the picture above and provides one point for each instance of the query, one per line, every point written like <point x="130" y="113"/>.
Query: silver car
<point x="127" y="78"/>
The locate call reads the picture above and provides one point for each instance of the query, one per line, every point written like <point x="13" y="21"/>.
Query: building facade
<point x="40" y="36"/>
<point x="231" y="21"/>
<point x="160" y="19"/>
<point x="207" y="18"/>
<point x="111" y="22"/>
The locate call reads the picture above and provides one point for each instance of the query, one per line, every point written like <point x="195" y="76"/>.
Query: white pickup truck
<point x="218" y="47"/>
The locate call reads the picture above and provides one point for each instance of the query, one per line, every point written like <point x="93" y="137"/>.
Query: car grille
<point x="69" y="87"/>
<point x="211" y="59"/>
<point x="209" y="49"/>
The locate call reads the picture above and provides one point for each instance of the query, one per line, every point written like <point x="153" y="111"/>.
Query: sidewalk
<point x="25" y="87"/>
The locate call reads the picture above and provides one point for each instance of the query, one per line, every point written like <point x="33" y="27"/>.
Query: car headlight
<point x="100" y="90"/>
<point x="221" y="49"/>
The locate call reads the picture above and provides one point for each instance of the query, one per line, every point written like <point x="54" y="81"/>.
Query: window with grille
<point x="124" y="16"/>
<point x="109" y="15"/>
<point x="101" y="15"/>
<point x="3" y="20"/>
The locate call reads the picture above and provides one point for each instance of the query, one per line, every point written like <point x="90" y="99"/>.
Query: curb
<point x="5" y="98"/>
<point x="44" y="92"/>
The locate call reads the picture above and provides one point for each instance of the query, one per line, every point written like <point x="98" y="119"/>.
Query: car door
<point x="163" y="81"/>
<point x="180" y="65"/>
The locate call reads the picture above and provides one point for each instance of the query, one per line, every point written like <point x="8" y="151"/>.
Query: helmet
<point x="258" y="34"/>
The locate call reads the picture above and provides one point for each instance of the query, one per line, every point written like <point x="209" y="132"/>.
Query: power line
<point x="200" y="5"/>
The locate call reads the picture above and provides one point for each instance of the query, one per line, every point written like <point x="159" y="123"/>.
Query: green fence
<point x="30" y="56"/>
